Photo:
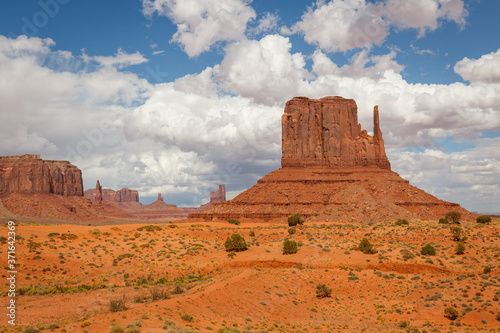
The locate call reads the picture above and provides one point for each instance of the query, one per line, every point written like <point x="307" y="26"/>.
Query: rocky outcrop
<point x="29" y="174"/>
<point x="123" y="195"/>
<point x="332" y="170"/>
<point x="98" y="193"/>
<point x="219" y="195"/>
<point x="326" y="132"/>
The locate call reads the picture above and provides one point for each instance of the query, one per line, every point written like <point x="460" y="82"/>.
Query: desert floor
<point x="177" y="277"/>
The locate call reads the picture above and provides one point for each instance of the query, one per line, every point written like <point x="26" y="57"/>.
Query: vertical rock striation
<point x="326" y="132"/>
<point x="29" y="174"/>
<point x="219" y="195"/>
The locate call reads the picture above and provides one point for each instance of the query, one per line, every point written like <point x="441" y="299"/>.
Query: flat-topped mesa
<point x="29" y="174"/>
<point x="326" y="132"/>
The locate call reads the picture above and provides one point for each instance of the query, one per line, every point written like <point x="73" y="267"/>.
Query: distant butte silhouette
<point x="332" y="170"/>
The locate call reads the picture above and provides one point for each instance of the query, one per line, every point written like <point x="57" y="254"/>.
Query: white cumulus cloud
<point x="343" y="25"/>
<point x="202" y="23"/>
<point x="263" y="70"/>
<point x="485" y="69"/>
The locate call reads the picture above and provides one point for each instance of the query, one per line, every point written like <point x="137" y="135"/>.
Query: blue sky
<point x="176" y="97"/>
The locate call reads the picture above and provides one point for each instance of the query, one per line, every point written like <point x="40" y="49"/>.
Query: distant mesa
<point x="332" y="170"/>
<point x="122" y="195"/>
<point x="32" y="187"/>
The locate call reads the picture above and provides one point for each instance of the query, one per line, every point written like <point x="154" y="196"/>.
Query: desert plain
<point x="167" y="276"/>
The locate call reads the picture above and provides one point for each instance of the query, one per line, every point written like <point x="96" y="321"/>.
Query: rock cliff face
<point x="326" y="132"/>
<point x="331" y="171"/>
<point x="123" y="195"/>
<point x="29" y="174"/>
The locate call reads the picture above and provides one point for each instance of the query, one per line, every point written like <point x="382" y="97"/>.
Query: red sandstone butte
<point x="326" y="132"/>
<point x="29" y="174"/>
<point x="332" y="170"/>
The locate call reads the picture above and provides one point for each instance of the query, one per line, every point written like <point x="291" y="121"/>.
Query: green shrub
<point x="456" y="234"/>
<point x="228" y="330"/>
<point x="235" y="243"/>
<point x="443" y="221"/>
<point x="451" y="313"/>
<point x="498" y="316"/>
<point x="252" y="233"/>
<point x="150" y="228"/>
<point x="290" y="247"/>
<point x="292" y="230"/>
<point x="117" y="304"/>
<point x="30" y="329"/>
<point x="483" y="219"/>
<point x="323" y="291"/>
<point x="453" y="216"/>
<point x="294" y="220"/>
<point x="428" y="250"/>
<point x="366" y="247"/>
<point x="187" y="317"/>
<point x="487" y="270"/>
<point x="460" y="248"/>
<point x="402" y="222"/>
<point x="234" y="221"/>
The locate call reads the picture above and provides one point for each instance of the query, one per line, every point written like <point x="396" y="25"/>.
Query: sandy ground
<point x="70" y="276"/>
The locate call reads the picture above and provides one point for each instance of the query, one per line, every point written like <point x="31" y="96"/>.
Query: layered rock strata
<point x="29" y="174"/>
<point x="332" y="170"/>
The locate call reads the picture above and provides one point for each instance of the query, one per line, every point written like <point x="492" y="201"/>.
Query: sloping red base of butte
<point x="327" y="194"/>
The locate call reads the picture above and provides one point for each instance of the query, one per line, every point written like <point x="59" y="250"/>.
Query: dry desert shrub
<point x="428" y="250"/>
<point x="235" y="243"/>
<point x="158" y="293"/>
<point x="118" y="304"/>
<point x="483" y="219"/>
<point x="323" y="291"/>
<point x="453" y="216"/>
<point x="366" y="247"/>
<point x="294" y="220"/>
<point x="460" y="248"/>
<point x="451" y="313"/>
<point x="290" y="247"/>
<point x="402" y="222"/>
<point x="234" y="221"/>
